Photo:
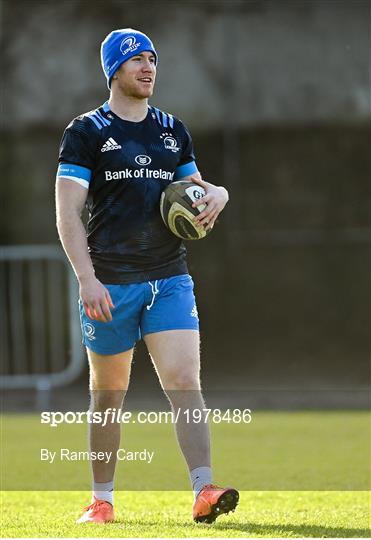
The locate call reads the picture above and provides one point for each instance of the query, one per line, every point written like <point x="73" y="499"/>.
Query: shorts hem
<point x="105" y="352"/>
<point x="165" y="329"/>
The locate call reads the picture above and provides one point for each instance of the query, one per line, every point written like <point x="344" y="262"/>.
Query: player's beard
<point x="134" y="90"/>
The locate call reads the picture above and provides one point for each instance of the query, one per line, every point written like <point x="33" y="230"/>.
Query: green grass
<point x="277" y="451"/>
<point x="300" y="474"/>
<point x="167" y="514"/>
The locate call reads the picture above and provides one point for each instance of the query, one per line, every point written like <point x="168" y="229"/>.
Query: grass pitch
<point x="277" y="451"/>
<point x="307" y="475"/>
<point x="167" y="514"/>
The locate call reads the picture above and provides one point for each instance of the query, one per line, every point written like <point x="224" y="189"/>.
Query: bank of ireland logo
<point x="143" y="160"/>
<point x="129" y="45"/>
<point x="89" y="330"/>
<point x="170" y="142"/>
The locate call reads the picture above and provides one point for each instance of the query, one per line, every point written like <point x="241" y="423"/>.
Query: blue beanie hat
<point x="119" y="46"/>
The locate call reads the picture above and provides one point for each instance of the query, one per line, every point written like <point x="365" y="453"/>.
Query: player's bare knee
<point x="179" y="380"/>
<point x="97" y="385"/>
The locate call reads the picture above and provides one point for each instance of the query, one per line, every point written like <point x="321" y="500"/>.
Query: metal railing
<point x="40" y="342"/>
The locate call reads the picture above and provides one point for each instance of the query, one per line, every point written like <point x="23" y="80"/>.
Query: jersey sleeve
<point x="77" y="153"/>
<point x="187" y="163"/>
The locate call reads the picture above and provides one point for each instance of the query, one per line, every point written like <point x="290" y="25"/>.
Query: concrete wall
<point x="253" y="62"/>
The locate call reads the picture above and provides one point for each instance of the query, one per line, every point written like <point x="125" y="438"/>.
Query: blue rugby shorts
<point x="140" y="309"/>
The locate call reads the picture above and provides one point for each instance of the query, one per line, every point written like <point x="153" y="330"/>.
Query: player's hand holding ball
<point x="215" y="199"/>
<point x="190" y="207"/>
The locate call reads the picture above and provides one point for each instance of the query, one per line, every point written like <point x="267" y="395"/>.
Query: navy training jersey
<point x="125" y="166"/>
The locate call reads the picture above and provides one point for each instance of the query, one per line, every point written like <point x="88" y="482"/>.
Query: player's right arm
<point x="73" y="177"/>
<point x="70" y="201"/>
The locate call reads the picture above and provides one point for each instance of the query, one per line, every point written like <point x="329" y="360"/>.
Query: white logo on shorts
<point x="194" y="312"/>
<point x="89" y="330"/>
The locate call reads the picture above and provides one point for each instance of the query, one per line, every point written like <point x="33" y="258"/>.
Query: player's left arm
<point x="215" y="199"/>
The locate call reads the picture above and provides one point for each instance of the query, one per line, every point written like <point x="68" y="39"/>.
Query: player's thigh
<point x="110" y="372"/>
<point x="176" y="356"/>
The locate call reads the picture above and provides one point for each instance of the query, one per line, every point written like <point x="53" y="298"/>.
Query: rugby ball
<point x="177" y="212"/>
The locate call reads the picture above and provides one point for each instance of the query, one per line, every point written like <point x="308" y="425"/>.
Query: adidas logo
<point x="110" y="144"/>
<point x="194" y="312"/>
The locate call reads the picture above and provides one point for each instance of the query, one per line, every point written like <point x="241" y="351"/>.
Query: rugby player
<point x="132" y="271"/>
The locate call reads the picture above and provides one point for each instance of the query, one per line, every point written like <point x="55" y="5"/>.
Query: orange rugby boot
<point x="213" y="501"/>
<point x="97" y="512"/>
